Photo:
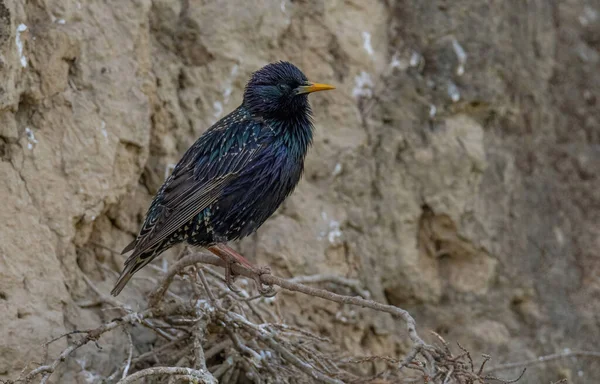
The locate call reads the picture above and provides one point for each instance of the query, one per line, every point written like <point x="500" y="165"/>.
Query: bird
<point x="236" y="174"/>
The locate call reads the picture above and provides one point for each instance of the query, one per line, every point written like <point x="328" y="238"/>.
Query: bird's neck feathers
<point x="295" y="131"/>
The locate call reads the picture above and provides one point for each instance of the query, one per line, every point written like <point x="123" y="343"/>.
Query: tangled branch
<point x="210" y="334"/>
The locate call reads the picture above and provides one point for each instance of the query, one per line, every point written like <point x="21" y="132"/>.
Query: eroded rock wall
<point x="454" y="170"/>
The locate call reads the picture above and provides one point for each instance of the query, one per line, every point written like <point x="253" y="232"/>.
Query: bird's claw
<point x="230" y="276"/>
<point x="266" y="290"/>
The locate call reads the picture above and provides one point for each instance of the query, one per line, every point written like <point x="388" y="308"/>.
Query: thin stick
<point x="128" y="364"/>
<point x="340" y="280"/>
<point x="92" y="335"/>
<point x="193" y="375"/>
<point x="544" y="359"/>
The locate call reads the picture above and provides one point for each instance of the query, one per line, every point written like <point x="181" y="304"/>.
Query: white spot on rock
<point x="282" y="6"/>
<point x="103" y="129"/>
<point x="363" y="85"/>
<point x="453" y="92"/>
<point x="432" y="111"/>
<point x="367" y="43"/>
<point x="30" y="138"/>
<point x="397" y="63"/>
<point x="218" y="106"/>
<point x="228" y="85"/>
<point x="61" y="21"/>
<point x="30" y="135"/>
<point x="415" y="59"/>
<point x="337" y="169"/>
<point x="334" y="231"/>
<point x="168" y="169"/>
<point x="82" y="362"/>
<point x="227" y="90"/>
<point x="560" y="237"/>
<point x="91" y="377"/>
<point x="339" y="316"/>
<point x="21" y="28"/>
<point x="461" y="55"/>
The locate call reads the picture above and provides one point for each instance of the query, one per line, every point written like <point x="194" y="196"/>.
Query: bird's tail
<point x="134" y="263"/>
<point x="123" y="280"/>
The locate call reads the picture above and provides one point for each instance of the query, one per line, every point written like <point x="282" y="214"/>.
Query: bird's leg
<point x="225" y="250"/>
<point x="229" y="261"/>
<point x="230" y="256"/>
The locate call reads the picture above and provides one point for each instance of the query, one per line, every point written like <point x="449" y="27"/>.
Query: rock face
<point x="455" y="170"/>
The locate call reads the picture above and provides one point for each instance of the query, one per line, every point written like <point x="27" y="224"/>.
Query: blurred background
<point x="455" y="170"/>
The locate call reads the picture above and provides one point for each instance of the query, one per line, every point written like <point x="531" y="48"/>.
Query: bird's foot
<point x="263" y="289"/>
<point x="230" y="256"/>
<point x="230" y="276"/>
<point x="266" y="290"/>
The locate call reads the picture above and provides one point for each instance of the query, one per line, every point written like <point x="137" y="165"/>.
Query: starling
<point x="235" y="175"/>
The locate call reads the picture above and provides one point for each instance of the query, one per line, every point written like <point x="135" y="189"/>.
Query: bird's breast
<point x="257" y="193"/>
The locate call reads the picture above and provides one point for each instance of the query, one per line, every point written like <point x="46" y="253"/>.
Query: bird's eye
<point x="283" y="87"/>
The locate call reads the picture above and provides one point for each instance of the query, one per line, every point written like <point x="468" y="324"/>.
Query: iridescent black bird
<point x="235" y="175"/>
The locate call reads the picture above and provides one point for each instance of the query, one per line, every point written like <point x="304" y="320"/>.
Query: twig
<point x="544" y="359"/>
<point x="222" y="368"/>
<point x="191" y="374"/>
<point x="340" y="280"/>
<point x="486" y="358"/>
<point x="242" y="347"/>
<point x="293" y="359"/>
<point x="199" y="357"/>
<point x="490" y="377"/>
<point x="92" y="335"/>
<point x="209" y="292"/>
<point x="159" y="331"/>
<point x="128" y="364"/>
<point x="216" y="349"/>
<point x="448" y="375"/>
<point x="103" y="297"/>
<point x="159" y="349"/>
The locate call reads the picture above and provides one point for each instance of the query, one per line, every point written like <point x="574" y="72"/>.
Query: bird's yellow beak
<point x="314" y="87"/>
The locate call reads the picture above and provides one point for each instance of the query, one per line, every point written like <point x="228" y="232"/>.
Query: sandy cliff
<point x="454" y="170"/>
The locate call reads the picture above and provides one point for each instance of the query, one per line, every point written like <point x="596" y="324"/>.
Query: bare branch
<point x="92" y="335"/>
<point x="209" y="328"/>
<point x="128" y="364"/>
<point x="544" y="359"/>
<point x="344" y="281"/>
<point x="269" y="279"/>
<point x="193" y="375"/>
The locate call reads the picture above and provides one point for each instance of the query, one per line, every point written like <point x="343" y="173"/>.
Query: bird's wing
<point x="213" y="162"/>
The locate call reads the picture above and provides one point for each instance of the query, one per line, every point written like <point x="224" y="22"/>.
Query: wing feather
<point x="213" y="162"/>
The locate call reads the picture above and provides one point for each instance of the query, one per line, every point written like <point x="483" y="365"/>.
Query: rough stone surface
<point x="454" y="170"/>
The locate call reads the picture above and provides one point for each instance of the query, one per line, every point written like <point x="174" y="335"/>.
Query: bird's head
<point x="280" y="90"/>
